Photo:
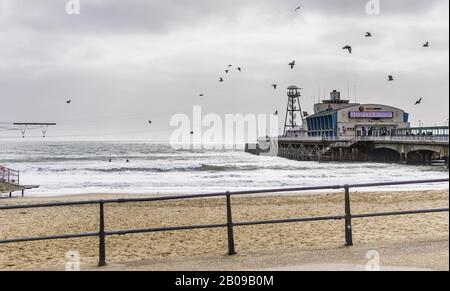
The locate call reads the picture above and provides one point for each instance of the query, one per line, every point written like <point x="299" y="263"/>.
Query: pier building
<point x="339" y="130"/>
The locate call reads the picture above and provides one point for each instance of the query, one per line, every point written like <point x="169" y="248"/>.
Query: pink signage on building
<point x="371" y="114"/>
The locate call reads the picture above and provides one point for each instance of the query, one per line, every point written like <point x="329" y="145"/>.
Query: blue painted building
<point x="323" y="124"/>
<point x="336" y="118"/>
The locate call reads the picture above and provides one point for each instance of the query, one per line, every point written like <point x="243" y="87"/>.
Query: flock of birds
<point x="292" y="65"/>
<point x="391" y="78"/>
<point x="227" y="71"/>
<point x="348" y="48"/>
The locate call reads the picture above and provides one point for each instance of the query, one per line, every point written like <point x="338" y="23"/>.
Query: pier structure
<point x="343" y="131"/>
<point x="398" y="149"/>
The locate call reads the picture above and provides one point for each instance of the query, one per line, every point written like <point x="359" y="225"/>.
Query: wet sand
<point x="212" y="242"/>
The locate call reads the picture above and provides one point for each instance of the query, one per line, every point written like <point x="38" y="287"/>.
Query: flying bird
<point x="149" y="122"/>
<point x="390" y="78"/>
<point x="349" y="48"/>
<point x="292" y="64"/>
<point x="368" y="34"/>
<point x="221" y="79"/>
<point x="419" y="101"/>
<point x="226" y="71"/>
<point x="298" y="8"/>
<point x="427" y="44"/>
<point x="276" y="113"/>
<point x="201" y="95"/>
<point x="274" y="86"/>
<point x="69" y="101"/>
<point x="239" y="69"/>
<point x="229" y="66"/>
<point x="191" y="132"/>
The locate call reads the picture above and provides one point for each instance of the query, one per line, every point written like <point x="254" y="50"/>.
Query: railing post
<point x="231" y="250"/>
<point x="101" y="234"/>
<point x="348" y="218"/>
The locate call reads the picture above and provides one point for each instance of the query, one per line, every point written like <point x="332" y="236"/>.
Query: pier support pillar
<point x="403" y="158"/>
<point x="430" y="159"/>
<point x="355" y="154"/>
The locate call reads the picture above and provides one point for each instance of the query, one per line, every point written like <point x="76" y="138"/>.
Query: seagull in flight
<point x="419" y="101"/>
<point x="349" y="48"/>
<point x="274" y="86"/>
<point x="427" y="44"/>
<point x="292" y="64"/>
<point x="229" y="66"/>
<point x="390" y="78"/>
<point x="69" y="101"/>
<point x="368" y="34"/>
<point x="298" y="8"/>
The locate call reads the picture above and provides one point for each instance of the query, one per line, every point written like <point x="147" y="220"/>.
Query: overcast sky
<point x="124" y="62"/>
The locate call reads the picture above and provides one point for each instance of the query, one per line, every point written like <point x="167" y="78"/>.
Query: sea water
<point x="65" y="168"/>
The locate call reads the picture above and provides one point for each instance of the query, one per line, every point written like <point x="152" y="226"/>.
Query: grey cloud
<point x="156" y="16"/>
<point x="115" y="16"/>
<point x="124" y="58"/>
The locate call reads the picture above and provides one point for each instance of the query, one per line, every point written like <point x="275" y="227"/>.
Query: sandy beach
<point x="50" y="255"/>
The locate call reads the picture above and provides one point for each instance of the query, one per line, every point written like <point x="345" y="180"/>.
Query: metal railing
<point x="229" y="224"/>
<point x="9" y="176"/>
<point x="311" y="138"/>
<point x="426" y="138"/>
<point x="352" y="140"/>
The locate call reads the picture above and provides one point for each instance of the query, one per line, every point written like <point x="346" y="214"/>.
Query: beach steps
<point x="8" y="187"/>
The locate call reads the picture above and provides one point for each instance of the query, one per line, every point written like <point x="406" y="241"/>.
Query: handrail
<point x="425" y="138"/>
<point x="230" y="224"/>
<point x="352" y="140"/>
